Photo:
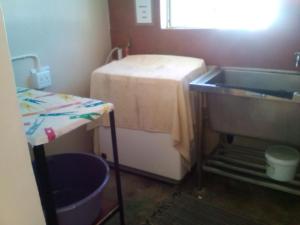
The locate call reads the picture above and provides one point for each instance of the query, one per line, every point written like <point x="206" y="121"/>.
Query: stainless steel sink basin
<point x="260" y="83"/>
<point x="257" y="103"/>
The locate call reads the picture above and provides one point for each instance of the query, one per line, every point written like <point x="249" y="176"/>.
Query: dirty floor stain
<point x="142" y="196"/>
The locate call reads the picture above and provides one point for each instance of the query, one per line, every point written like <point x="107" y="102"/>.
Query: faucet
<point x="297" y="55"/>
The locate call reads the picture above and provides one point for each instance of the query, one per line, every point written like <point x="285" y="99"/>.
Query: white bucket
<point x="282" y="162"/>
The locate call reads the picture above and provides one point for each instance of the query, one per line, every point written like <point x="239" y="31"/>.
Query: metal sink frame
<point x="257" y="103"/>
<point x="247" y="102"/>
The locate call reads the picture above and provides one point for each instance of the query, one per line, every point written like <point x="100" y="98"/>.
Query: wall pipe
<point x="35" y="58"/>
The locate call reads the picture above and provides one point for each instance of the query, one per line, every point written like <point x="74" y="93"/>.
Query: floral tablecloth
<point x="47" y="116"/>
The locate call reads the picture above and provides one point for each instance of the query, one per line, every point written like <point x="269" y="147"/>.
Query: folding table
<point x="48" y="116"/>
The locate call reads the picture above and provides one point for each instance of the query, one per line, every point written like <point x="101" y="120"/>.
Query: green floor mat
<point x="184" y="209"/>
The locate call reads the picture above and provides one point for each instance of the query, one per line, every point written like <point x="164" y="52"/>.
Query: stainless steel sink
<point x="257" y="103"/>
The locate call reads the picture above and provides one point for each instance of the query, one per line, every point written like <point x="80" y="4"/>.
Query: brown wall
<point x="271" y="48"/>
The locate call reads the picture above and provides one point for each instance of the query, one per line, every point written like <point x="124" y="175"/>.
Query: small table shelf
<point x="47" y="116"/>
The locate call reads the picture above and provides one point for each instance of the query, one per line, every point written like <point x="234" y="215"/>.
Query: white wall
<point x="19" y="200"/>
<point x="73" y="37"/>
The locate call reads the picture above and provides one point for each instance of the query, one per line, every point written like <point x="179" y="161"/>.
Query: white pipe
<point x="110" y="54"/>
<point x="35" y="58"/>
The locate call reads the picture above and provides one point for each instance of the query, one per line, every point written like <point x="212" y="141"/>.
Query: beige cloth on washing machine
<point x="151" y="93"/>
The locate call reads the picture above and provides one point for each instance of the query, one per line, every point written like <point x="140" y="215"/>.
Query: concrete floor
<point x="142" y="196"/>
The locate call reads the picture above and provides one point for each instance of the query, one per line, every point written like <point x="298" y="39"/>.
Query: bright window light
<point x="219" y="14"/>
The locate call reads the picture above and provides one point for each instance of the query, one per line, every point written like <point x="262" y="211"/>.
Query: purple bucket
<point x="77" y="181"/>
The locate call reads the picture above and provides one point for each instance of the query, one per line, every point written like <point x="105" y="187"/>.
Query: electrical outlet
<point x="41" y="78"/>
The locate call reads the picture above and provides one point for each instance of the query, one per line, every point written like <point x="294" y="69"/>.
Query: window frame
<point x="166" y="21"/>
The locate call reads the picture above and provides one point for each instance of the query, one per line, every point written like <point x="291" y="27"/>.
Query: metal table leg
<point x="44" y="186"/>
<point x="116" y="166"/>
<point x="199" y="135"/>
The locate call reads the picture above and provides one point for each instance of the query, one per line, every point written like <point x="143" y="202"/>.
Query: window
<point x="219" y="14"/>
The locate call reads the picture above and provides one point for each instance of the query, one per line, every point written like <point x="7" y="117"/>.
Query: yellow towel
<point x="150" y="93"/>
